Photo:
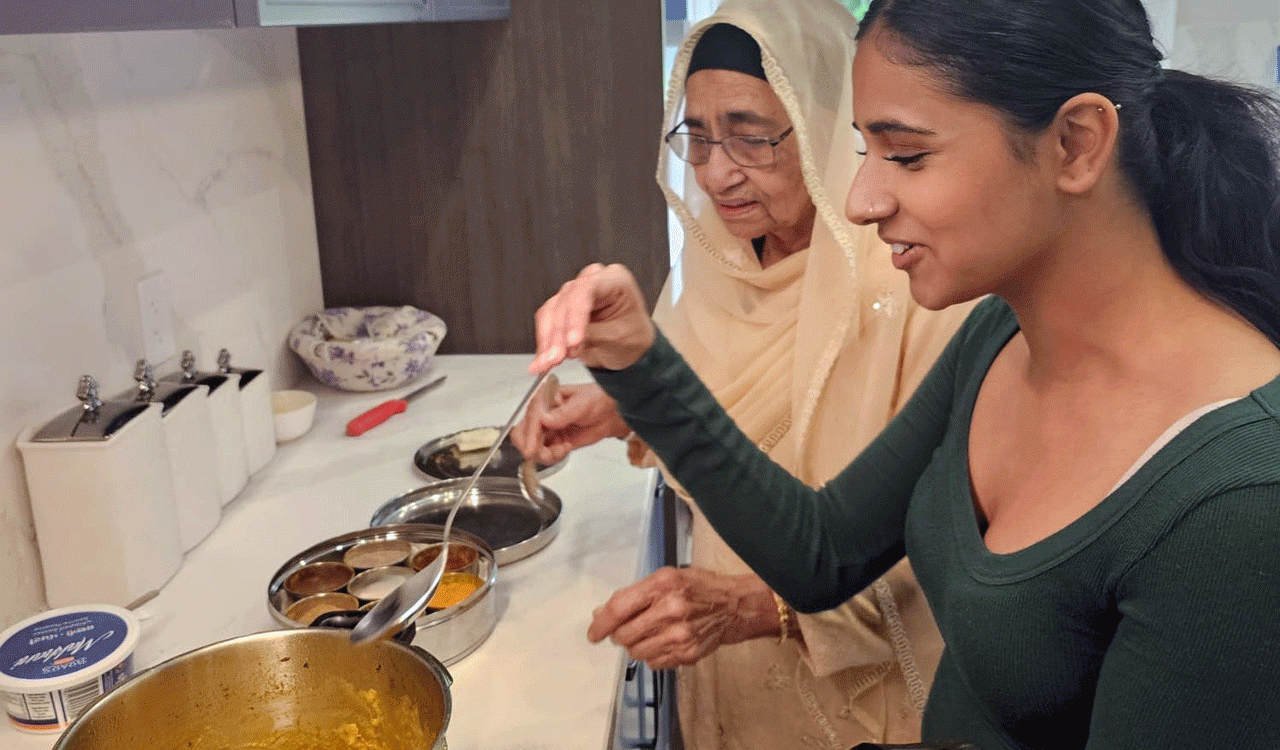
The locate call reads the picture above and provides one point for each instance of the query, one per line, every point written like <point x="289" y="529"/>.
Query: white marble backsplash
<point x="179" y="152"/>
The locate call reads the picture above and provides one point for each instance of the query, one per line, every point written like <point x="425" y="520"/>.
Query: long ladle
<point x="403" y="605"/>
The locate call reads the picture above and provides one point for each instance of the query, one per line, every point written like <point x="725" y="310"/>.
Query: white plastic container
<point x="228" y="436"/>
<point x="192" y="455"/>
<point x="255" y="412"/>
<point x="228" y="425"/>
<point x="189" y="438"/>
<point x="102" y="501"/>
<point x="56" y="663"/>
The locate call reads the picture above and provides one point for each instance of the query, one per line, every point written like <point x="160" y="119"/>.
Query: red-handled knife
<point x="384" y="411"/>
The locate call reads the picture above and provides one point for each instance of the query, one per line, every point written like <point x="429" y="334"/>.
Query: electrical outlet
<point x="155" y="305"/>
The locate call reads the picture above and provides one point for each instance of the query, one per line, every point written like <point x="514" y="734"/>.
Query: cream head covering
<point x="766" y="340"/>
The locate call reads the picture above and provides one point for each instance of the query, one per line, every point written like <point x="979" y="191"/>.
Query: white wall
<point x="1235" y="39"/>
<point x="1239" y="44"/>
<point x="126" y="154"/>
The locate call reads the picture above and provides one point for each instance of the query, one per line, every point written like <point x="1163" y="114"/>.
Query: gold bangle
<point x="784" y="619"/>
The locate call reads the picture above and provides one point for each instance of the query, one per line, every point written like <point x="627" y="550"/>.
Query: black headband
<point x="726" y="47"/>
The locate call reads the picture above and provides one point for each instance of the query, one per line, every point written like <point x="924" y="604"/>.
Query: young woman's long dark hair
<point x="1202" y="154"/>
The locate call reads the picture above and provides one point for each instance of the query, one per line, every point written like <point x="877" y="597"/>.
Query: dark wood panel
<point x="470" y="168"/>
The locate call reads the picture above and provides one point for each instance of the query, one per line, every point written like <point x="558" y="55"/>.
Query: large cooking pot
<point x="299" y="689"/>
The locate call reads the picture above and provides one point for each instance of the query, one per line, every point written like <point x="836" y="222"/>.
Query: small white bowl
<point x="294" y="412"/>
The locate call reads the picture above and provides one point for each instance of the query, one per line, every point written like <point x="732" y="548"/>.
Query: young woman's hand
<point x="599" y="318"/>
<point x="582" y="415"/>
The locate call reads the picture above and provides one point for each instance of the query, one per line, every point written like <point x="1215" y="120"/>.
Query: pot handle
<point x="420" y="651"/>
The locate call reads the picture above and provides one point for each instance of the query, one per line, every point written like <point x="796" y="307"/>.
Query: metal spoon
<point x="530" y="487"/>
<point x="403" y="605"/>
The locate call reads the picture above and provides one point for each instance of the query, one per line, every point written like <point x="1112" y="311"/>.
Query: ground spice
<point x="454" y="587"/>
<point x="461" y="557"/>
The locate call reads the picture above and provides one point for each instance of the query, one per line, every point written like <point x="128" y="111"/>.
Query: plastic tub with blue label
<point x="53" y="665"/>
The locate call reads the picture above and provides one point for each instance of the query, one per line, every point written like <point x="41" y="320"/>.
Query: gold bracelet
<point x="784" y="619"/>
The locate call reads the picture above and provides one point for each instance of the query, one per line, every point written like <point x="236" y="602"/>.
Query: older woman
<point x="809" y="339"/>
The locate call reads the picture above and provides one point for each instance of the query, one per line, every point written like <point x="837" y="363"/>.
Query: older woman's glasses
<point x="743" y="150"/>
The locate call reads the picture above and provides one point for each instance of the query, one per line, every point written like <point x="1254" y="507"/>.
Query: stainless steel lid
<point x="191" y="376"/>
<point x="168" y="393"/>
<point x="495" y="510"/>
<point x="224" y="367"/>
<point x="93" y="420"/>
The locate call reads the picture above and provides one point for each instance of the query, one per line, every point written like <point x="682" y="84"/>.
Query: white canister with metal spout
<point x="228" y="425"/>
<point x="102" y="501"/>
<point x="255" y="412"/>
<point x="189" y="442"/>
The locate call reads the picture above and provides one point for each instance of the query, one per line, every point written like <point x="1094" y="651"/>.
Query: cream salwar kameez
<point x="811" y="357"/>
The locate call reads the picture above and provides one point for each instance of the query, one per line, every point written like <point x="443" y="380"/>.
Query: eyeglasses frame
<point x="773" y="145"/>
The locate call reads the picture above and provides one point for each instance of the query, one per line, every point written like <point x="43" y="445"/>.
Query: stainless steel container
<point x="449" y="634"/>
<point x="275" y="687"/>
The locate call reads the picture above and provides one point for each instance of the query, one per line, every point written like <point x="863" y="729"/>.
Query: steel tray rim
<point x="397" y="509"/>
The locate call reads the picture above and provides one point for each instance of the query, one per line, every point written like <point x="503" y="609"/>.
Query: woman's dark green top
<point x="1151" y="622"/>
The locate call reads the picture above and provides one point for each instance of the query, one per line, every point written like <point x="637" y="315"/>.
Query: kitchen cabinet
<point x="340" y="12"/>
<point x="50" y="16"/>
<point x="471" y="168"/>
<point x="54" y="16"/>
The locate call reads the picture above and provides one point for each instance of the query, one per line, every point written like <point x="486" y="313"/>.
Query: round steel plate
<point x="495" y="511"/>
<point x="441" y="459"/>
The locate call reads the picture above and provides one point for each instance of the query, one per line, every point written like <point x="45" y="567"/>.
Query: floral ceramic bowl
<point x="367" y="348"/>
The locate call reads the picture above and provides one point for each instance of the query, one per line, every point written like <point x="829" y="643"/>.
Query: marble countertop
<point x="536" y="683"/>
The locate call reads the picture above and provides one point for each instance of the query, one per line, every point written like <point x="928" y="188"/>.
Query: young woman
<point x="1088" y="482"/>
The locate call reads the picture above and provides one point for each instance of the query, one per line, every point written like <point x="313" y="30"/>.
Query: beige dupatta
<point x="811" y="357"/>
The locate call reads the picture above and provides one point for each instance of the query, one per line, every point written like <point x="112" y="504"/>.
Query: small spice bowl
<point x="461" y="558"/>
<point x="382" y="553"/>
<point x="318" y="578"/>
<point x="306" y="610"/>
<point x="375" y="583"/>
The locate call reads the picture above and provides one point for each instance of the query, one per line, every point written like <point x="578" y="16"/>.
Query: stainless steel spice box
<point x="447" y="634"/>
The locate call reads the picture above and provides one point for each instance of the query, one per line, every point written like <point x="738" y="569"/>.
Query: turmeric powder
<point x="454" y="587"/>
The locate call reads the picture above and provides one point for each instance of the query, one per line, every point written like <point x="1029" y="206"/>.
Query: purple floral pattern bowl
<point x="367" y="348"/>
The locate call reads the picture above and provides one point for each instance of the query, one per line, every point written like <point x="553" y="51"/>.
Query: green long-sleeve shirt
<point x="1151" y="622"/>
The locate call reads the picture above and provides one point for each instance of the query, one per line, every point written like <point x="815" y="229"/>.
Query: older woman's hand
<point x="599" y="318"/>
<point x="679" y="615"/>
<point x="582" y="415"/>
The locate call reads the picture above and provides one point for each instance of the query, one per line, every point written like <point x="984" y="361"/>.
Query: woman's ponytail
<point x="1217" y="204"/>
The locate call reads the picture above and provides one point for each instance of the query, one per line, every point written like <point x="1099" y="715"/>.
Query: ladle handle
<point x="493" y="449"/>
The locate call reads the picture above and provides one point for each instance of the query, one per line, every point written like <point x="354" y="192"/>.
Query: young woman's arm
<point x="816" y="548"/>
